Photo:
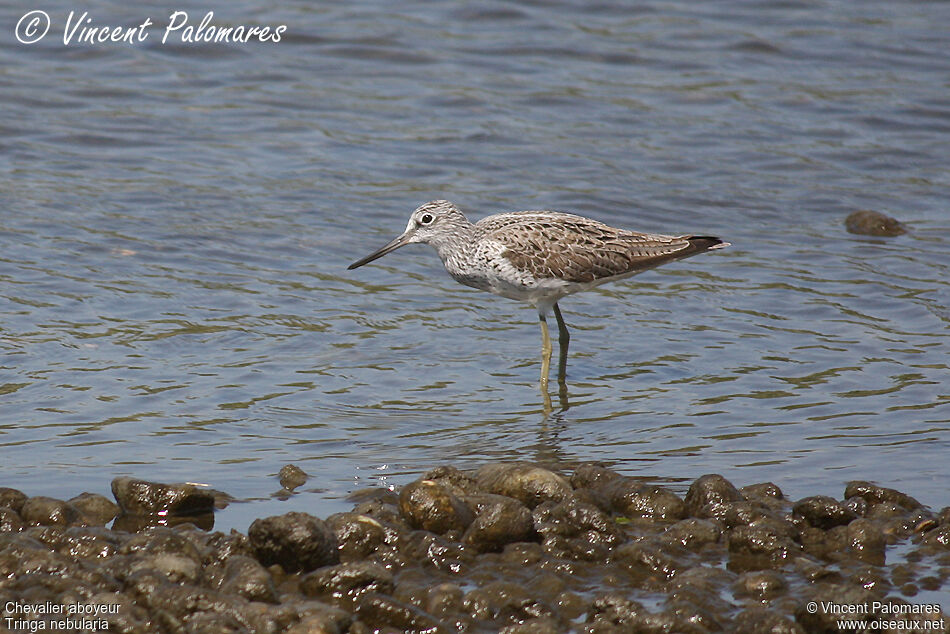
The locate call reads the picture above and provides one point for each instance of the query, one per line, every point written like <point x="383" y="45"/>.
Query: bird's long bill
<point x="392" y="246"/>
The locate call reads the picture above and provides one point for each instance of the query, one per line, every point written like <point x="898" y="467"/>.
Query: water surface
<point x="177" y="220"/>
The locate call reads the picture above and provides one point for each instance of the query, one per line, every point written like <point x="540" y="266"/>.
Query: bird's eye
<point x="426" y="219"/>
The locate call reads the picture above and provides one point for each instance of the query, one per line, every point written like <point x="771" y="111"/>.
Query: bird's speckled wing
<point x="576" y="249"/>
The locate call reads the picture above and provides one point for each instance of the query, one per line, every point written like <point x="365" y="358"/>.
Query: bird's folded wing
<point x="577" y="249"/>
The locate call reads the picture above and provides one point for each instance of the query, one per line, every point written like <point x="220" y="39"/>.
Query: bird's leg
<point x="564" y="337"/>
<point x="545" y="351"/>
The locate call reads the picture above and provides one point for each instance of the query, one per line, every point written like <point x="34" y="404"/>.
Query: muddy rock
<point x="693" y="533"/>
<point x="742" y="513"/>
<point x="648" y="562"/>
<point x="295" y="541"/>
<point x="866" y="541"/>
<point x="761" y="620"/>
<point x="500" y="521"/>
<point x="565" y="556"/>
<point x="291" y="476"/>
<point x="938" y="539"/>
<point x="615" y="613"/>
<point x="142" y="498"/>
<point x="873" y="223"/>
<point x="573" y="529"/>
<point x="759" y="547"/>
<point x="504" y="602"/>
<point x="823" y="512"/>
<point x="457" y="482"/>
<point x="45" y="511"/>
<point x="359" y="535"/>
<point x="386" y="613"/>
<point x="707" y="490"/>
<point x="764" y="491"/>
<point x="429" y="506"/>
<point x="98" y="510"/>
<point x="639" y="501"/>
<point x="12" y="498"/>
<point x="247" y="578"/>
<point x="761" y="584"/>
<point x="592" y="476"/>
<point x="529" y="484"/>
<point x="874" y="494"/>
<point x="10" y="521"/>
<point x="345" y="584"/>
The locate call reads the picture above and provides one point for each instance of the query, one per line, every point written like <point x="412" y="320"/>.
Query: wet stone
<point x="12" y="498"/>
<point x="592" y="476"/>
<point x="762" y="584"/>
<point x="874" y="494"/>
<point x="10" y="521"/>
<point x="431" y="507"/>
<point x="634" y="500"/>
<point x="500" y="521"/>
<point x="295" y="541"/>
<point x="750" y="564"/>
<point x="866" y="540"/>
<point x="742" y="513"/>
<point x="574" y="529"/>
<point x="247" y="578"/>
<point x="529" y="484"/>
<point x="710" y="489"/>
<point x="291" y="476"/>
<point x="757" y="547"/>
<point x="615" y="613"/>
<point x="939" y="538"/>
<point x="648" y="563"/>
<point x="82" y="542"/>
<point x="140" y="497"/>
<point x="823" y="512"/>
<point x="346" y="583"/>
<point x="359" y="535"/>
<point x="457" y="482"/>
<point x="380" y="611"/>
<point x="46" y="511"/>
<point x="873" y="223"/>
<point x="444" y="599"/>
<point x="857" y="505"/>
<point x="764" y="491"/>
<point x="97" y="509"/>
<point x="505" y="602"/>
<point x="761" y="620"/>
<point x="693" y="533"/>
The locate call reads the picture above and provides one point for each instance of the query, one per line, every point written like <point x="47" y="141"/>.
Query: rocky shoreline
<point x="512" y="548"/>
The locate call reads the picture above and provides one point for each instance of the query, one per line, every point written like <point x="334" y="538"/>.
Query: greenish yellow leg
<point x="545" y="351"/>
<point x="564" y="338"/>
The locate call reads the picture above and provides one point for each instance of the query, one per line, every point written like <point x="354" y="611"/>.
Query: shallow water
<point x="177" y="220"/>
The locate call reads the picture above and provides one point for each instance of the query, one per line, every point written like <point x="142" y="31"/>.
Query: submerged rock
<point x="291" y="476"/>
<point x="873" y="223"/>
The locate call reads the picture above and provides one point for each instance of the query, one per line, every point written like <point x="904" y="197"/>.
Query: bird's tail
<point x="698" y="244"/>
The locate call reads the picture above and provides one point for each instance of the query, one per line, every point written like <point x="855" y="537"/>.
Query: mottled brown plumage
<point x="538" y="256"/>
